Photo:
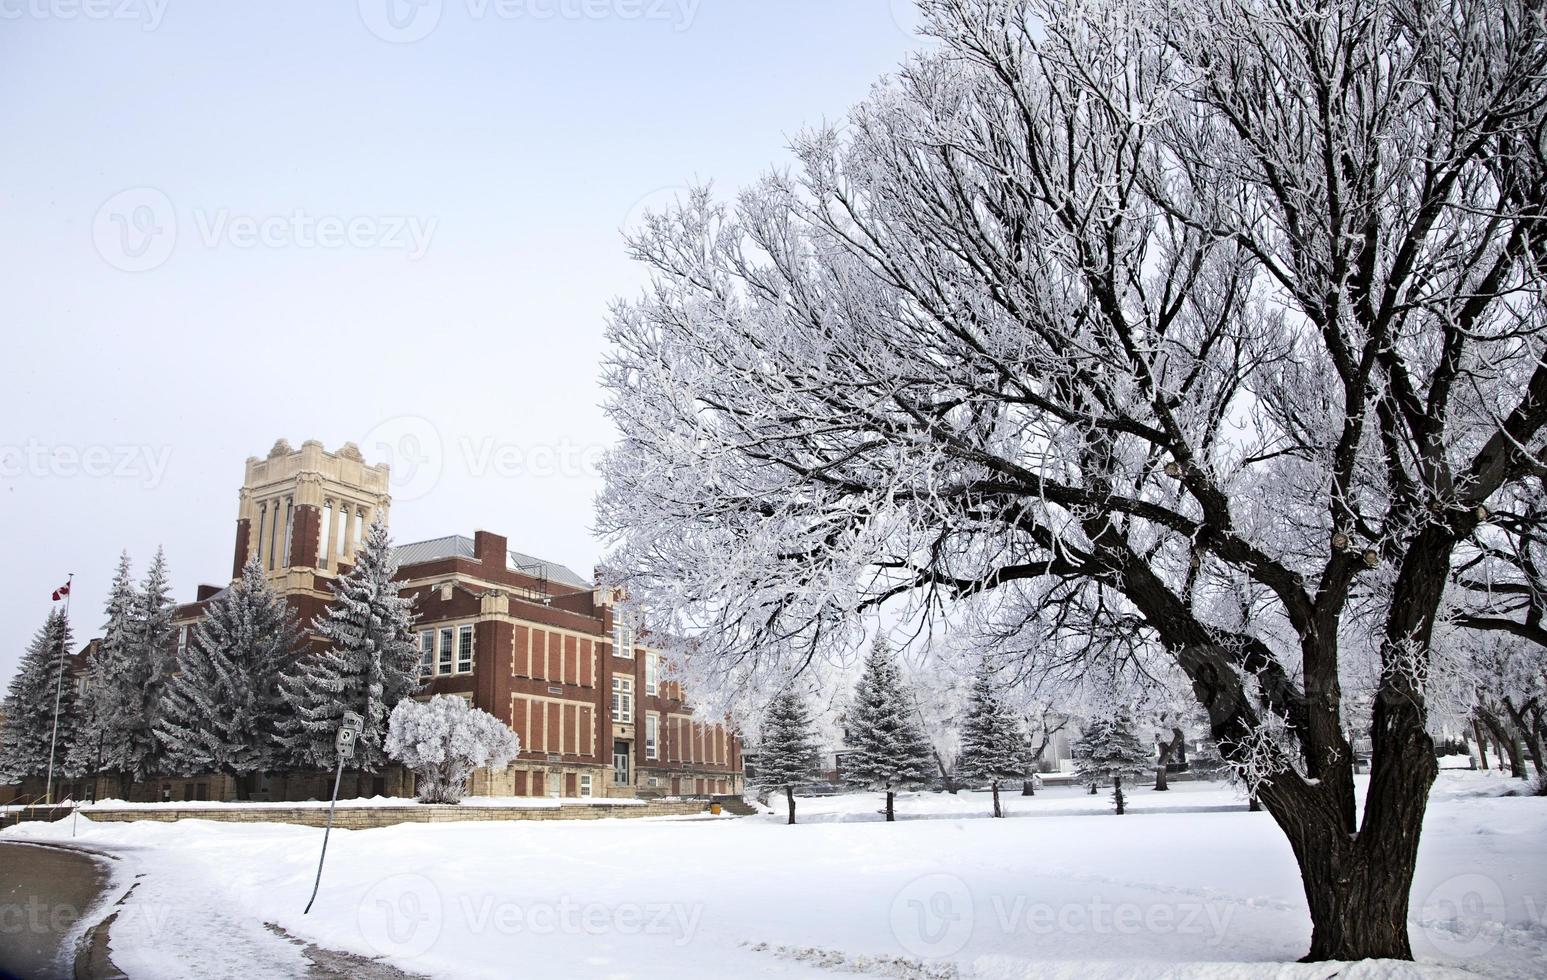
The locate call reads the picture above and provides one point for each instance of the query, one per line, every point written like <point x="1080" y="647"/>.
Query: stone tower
<point x="304" y="511"/>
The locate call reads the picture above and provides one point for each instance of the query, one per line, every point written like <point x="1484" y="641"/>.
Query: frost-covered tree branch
<point x="1211" y="326"/>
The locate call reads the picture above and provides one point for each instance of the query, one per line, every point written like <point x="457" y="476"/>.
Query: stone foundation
<point x="367" y="818"/>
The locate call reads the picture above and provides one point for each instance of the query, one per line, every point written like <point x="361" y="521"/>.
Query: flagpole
<point x="53" y="738"/>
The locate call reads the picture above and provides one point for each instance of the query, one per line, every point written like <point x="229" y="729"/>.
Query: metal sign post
<point x="348" y="730"/>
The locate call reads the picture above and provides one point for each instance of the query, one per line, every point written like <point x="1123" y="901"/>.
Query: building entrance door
<point x="620" y="763"/>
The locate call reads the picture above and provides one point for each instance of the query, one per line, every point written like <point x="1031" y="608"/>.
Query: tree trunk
<point x="1117" y="792"/>
<point x="1358" y="876"/>
<point x="946" y="782"/>
<point x="1092" y="789"/>
<point x="1160" y="777"/>
<point x="1506" y="742"/>
<point x="997" y="811"/>
<point x="1253" y="805"/>
<point x="1523" y="721"/>
<point x="789" y="794"/>
<point x="891" y="813"/>
<point x="1482" y="742"/>
<point x="1027" y="789"/>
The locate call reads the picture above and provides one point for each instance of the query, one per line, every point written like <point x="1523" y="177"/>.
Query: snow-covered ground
<point x="1188" y="884"/>
<point x="526" y="802"/>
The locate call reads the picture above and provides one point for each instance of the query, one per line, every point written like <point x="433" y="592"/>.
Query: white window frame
<point x="622" y="700"/>
<point x="622" y="641"/>
<point x="652" y="736"/>
<point x="464" y="665"/>
<point x="445" y="661"/>
<point x="427" y="653"/>
<point x="652" y="672"/>
<point x="585" y="785"/>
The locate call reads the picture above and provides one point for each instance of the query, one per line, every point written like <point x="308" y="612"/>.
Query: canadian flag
<point x="62" y="591"/>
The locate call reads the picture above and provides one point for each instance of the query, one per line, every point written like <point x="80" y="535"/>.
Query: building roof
<point x="461" y="546"/>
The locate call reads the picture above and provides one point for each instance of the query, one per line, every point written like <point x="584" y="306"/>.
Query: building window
<point x="652" y="727"/>
<point x="652" y="668"/>
<point x="585" y="784"/>
<point x="289" y="527"/>
<point x="426" y="653"/>
<point x="324" y="534"/>
<point x="263" y="524"/>
<point x="622" y="700"/>
<point x="445" y="651"/>
<point x="182" y="641"/>
<point x="274" y="534"/>
<point x="465" y="650"/>
<point x="622" y="641"/>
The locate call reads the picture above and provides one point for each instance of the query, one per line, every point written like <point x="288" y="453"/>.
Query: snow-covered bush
<point x="443" y="740"/>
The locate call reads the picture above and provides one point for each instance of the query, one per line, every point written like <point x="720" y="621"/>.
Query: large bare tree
<point x="1212" y="326"/>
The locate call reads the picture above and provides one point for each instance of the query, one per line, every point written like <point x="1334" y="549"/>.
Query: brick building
<point x="526" y="640"/>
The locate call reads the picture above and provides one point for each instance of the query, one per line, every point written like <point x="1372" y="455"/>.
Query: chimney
<point x="491" y="549"/>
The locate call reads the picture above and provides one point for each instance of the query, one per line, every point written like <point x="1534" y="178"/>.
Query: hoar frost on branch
<point x="1169" y="323"/>
<point x="443" y="740"/>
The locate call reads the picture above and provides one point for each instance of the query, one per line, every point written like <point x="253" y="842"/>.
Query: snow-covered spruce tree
<point x="993" y="745"/>
<point x="1109" y="749"/>
<point x="106" y="709"/>
<point x="888" y="748"/>
<point x="443" y="740"/>
<point x="1118" y="307"/>
<point x="27" y="738"/>
<point x="787" y="754"/>
<point x="370" y="664"/>
<point x="222" y="711"/>
<point x="127" y="679"/>
<point x="151" y="662"/>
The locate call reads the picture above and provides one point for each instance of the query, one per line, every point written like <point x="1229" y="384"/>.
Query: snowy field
<point x="1188" y="884"/>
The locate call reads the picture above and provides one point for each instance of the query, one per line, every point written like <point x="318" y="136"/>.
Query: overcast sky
<point x="399" y="225"/>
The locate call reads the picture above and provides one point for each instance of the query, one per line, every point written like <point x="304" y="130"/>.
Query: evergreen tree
<point x="151" y="666"/>
<point x="370" y="665"/>
<point x="993" y="747"/>
<point x="1109" y="747"/>
<point x="39" y="689"/>
<point x="890" y="751"/>
<point x="222" y="710"/>
<point x="107" y="708"/>
<point x="787" y="747"/>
